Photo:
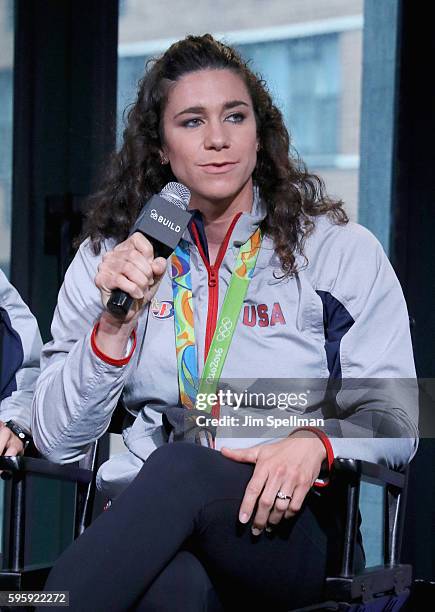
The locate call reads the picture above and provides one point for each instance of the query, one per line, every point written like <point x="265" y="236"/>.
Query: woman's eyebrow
<point x="200" y="109"/>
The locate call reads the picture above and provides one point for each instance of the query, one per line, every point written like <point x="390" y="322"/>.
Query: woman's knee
<point x="178" y="459"/>
<point x="184" y="583"/>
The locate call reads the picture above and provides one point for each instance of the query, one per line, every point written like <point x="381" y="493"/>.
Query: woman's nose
<point x="216" y="137"/>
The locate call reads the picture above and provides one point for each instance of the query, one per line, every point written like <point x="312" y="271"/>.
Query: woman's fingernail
<point x="243" y="518"/>
<point x="268" y="529"/>
<point x="256" y="531"/>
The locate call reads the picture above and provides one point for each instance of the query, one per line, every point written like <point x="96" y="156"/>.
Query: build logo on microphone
<point x="164" y="221"/>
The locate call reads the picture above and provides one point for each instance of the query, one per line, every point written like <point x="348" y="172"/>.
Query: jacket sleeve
<point x="78" y="388"/>
<point x="376" y="400"/>
<point x="21" y="347"/>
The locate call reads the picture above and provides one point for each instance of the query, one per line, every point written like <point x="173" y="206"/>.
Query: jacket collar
<point x="246" y="224"/>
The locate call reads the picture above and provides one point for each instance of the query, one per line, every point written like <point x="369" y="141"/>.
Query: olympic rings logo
<point x="224" y="329"/>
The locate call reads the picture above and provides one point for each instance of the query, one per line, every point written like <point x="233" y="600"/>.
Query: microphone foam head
<point x="177" y="194"/>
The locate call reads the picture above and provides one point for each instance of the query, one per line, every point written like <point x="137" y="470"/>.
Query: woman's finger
<point x="141" y="278"/>
<point x="5" y="434"/>
<point x="281" y="505"/>
<point x="267" y="500"/>
<point x="109" y="282"/>
<point x="133" y="266"/>
<point x="136" y="259"/>
<point x="142" y="244"/>
<point x="159" y="266"/>
<point x="13" y="449"/>
<point x="137" y="241"/>
<point x="295" y="505"/>
<point x="252" y="493"/>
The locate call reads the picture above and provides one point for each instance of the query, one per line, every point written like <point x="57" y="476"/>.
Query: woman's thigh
<point x="286" y="567"/>
<point x="183" y="492"/>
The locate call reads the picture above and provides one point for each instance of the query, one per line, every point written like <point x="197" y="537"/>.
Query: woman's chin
<point x="217" y="193"/>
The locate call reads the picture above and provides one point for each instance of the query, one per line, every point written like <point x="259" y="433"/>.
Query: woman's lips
<point x="219" y="168"/>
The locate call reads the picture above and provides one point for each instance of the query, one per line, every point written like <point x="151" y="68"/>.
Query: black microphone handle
<point x="120" y="302"/>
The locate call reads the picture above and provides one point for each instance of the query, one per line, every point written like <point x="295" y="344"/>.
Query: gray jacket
<point x="20" y="359"/>
<point x="343" y="316"/>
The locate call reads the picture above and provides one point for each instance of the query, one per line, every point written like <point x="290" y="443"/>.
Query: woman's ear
<point x="163" y="158"/>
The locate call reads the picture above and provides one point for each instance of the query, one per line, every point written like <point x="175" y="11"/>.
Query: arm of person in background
<point x="84" y="367"/>
<point x="19" y="368"/>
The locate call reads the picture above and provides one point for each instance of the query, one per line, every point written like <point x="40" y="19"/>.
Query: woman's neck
<point x="218" y="216"/>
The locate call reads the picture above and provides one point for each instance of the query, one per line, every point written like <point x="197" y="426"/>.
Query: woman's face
<point x="210" y="135"/>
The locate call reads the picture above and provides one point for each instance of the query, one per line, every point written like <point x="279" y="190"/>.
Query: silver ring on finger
<point x="282" y="495"/>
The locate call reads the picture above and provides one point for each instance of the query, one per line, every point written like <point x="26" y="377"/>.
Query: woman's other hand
<point x="291" y="465"/>
<point x="131" y="267"/>
<point x="10" y="444"/>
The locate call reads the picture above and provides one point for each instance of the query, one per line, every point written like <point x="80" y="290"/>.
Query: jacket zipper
<point x="213" y="281"/>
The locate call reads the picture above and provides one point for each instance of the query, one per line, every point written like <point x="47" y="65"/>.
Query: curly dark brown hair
<point x="291" y="193"/>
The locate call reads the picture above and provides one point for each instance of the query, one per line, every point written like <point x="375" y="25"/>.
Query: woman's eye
<point x="233" y="118"/>
<point x="190" y="122"/>
<point x="236" y="117"/>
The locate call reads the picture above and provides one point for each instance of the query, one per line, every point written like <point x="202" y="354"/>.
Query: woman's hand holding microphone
<point x="131" y="267"/>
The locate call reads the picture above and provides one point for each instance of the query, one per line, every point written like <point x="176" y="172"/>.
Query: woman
<point x="191" y="528"/>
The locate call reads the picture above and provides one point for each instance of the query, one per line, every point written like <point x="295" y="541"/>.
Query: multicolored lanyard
<point x="186" y="350"/>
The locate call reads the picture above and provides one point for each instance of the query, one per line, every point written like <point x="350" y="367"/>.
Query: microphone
<point x="162" y="221"/>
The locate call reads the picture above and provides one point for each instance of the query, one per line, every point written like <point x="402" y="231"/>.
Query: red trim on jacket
<point x="213" y="280"/>
<point x="106" y="358"/>
<point x="213" y="287"/>
<point x="329" y="450"/>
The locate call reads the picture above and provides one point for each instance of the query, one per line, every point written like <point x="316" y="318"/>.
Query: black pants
<point x="172" y="540"/>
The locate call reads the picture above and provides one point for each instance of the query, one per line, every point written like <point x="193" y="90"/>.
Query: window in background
<point x="303" y="75"/>
<point x="315" y="87"/>
<point x="6" y="113"/>
<point x="309" y="53"/>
